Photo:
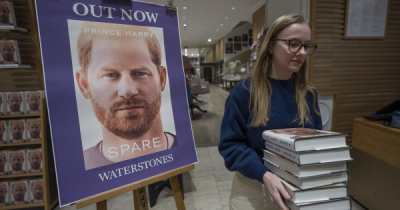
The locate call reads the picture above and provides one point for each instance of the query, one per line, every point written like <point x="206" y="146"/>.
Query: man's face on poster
<point x="2" y="130"/>
<point x="33" y="101"/>
<point x="37" y="190"/>
<point x="14" y="102"/>
<point x="3" y="161"/>
<point x="124" y="85"/>
<point x="35" y="159"/>
<point x="7" y="51"/>
<point x="17" y="130"/>
<point x="18" y="191"/>
<point x="16" y="160"/>
<point x="34" y="129"/>
<point x="3" y="193"/>
<point x="4" y="13"/>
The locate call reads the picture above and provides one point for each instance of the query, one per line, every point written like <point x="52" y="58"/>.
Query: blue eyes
<point x="135" y="74"/>
<point x="111" y="75"/>
<point x="138" y="73"/>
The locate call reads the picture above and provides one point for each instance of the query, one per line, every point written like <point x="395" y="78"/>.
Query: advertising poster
<point x="116" y="93"/>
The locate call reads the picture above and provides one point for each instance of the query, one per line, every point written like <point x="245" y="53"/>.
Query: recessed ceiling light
<point x="232" y="8"/>
<point x="185" y="17"/>
<point x="192" y="54"/>
<point x="202" y="51"/>
<point x="217" y="30"/>
<point x="209" y="40"/>
<point x="184" y="25"/>
<point x="222" y="24"/>
<point x="225" y="17"/>
<point x="198" y="54"/>
<point x="203" y="48"/>
<point x="184" y="7"/>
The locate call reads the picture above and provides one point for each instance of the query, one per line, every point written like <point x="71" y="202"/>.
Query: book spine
<point x="279" y="140"/>
<point x="293" y="156"/>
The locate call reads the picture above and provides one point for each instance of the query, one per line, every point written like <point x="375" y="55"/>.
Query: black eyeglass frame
<point x="301" y="46"/>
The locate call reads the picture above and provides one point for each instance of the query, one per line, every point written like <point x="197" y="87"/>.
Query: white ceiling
<point x="204" y="18"/>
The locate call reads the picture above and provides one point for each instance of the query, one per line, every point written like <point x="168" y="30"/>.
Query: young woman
<point x="276" y="95"/>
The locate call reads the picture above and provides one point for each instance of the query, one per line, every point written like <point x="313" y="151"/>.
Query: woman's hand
<point x="276" y="190"/>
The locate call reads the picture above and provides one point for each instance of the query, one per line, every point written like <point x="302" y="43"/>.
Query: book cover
<point x="342" y="204"/>
<point x="14" y="103"/>
<point x="3" y="162"/>
<point x="3" y="132"/>
<point x="294" y="139"/>
<point x="17" y="161"/>
<point x="7" y="15"/>
<point x="10" y="56"/>
<point x="36" y="192"/>
<point x="4" y="193"/>
<point x="33" y="101"/>
<point x="17" y="131"/>
<point x="19" y="192"/>
<point x="34" y="126"/>
<point x="34" y="160"/>
<point x="2" y="104"/>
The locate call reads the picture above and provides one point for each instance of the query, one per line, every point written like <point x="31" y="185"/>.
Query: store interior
<point x="355" y="77"/>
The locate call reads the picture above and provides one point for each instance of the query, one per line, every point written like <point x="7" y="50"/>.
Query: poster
<point x="116" y="93"/>
<point x="228" y="48"/>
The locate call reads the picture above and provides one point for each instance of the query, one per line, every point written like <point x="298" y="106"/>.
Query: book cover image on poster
<point x="17" y="131"/>
<point x="9" y="53"/>
<point x="37" y="191"/>
<point x="34" y="128"/>
<point x="4" y="193"/>
<point x="15" y="103"/>
<point x="19" y="192"/>
<point x="302" y="133"/>
<point x="229" y="48"/>
<point x="33" y="101"/>
<point x="2" y="103"/>
<point x="7" y="15"/>
<point x="119" y="91"/>
<point x="3" y="132"/>
<point x="34" y="160"/>
<point x="3" y="162"/>
<point x="17" y="161"/>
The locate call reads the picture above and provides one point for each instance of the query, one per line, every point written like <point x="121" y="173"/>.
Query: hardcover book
<point x="17" y="131"/>
<point x="325" y="193"/>
<point x="34" y="128"/>
<point x="304" y="139"/>
<point x="19" y="192"/>
<point x="15" y="103"/>
<point x="34" y="160"/>
<point x="3" y="102"/>
<point x="313" y="157"/>
<point x="4" y="193"/>
<point x="33" y="101"/>
<point x="36" y="192"/>
<point x="7" y="17"/>
<point x="3" y="132"/>
<point x="9" y="52"/>
<point x="340" y="204"/>
<point x="311" y="181"/>
<point x="17" y="161"/>
<point x="3" y="162"/>
<point x="304" y="170"/>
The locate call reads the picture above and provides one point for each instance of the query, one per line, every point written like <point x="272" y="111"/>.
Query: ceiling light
<point x="192" y="54"/>
<point x="232" y="8"/>
<point x="184" y="25"/>
<point x="209" y="40"/>
<point x="202" y="51"/>
<point x="198" y="54"/>
<point x="225" y="17"/>
<point x="184" y="7"/>
<point x="203" y="48"/>
<point x="217" y="30"/>
<point x="185" y="17"/>
<point x="222" y="24"/>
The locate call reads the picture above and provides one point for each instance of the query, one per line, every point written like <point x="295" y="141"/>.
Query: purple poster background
<point x="74" y="182"/>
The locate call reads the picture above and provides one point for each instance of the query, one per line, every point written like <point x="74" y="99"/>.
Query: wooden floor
<point x="206" y="126"/>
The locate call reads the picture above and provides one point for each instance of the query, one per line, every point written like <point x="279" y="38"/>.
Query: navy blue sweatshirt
<point x="241" y="145"/>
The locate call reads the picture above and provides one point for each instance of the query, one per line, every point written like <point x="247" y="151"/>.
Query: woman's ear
<point x="270" y="48"/>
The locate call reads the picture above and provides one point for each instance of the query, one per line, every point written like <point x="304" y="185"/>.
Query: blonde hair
<point x="85" y="40"/>
<point x="259" y="97"/>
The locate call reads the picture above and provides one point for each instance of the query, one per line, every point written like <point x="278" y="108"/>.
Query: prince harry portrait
<point x="122" y="75"/>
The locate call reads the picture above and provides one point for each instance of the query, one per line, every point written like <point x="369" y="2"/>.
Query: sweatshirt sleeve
<point x="233" y="147"/>
<point x="317" y="118"/>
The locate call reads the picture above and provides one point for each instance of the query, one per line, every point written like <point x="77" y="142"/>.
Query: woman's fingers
<point x="284" y="192"/>
<point x="278" y="200"/>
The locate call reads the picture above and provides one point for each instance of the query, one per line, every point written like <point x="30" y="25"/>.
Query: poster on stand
<point x="116" y="93"/>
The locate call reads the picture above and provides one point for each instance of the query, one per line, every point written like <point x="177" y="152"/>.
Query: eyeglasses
<point x="295" y="46"/>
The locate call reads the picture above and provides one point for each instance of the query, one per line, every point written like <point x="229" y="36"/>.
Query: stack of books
<point x="312" y="164"/>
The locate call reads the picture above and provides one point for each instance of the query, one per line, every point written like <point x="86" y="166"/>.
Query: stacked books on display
<point x="312" y="164"/>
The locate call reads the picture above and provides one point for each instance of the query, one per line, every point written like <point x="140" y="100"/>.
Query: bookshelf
<point x="50" y="194"/>
<point x="28" y="76"/>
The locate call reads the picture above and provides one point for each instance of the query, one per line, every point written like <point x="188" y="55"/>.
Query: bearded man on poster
<point x="123" y="78"/>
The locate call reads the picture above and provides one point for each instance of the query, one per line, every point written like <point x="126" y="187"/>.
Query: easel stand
<point x="139" y="191"/>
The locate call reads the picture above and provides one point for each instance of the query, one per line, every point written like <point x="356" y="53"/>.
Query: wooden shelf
<point x="13" y="66"/>
<point x="30" y="205"/>
<point x="13" y="28"/>
<point x="19" y="116"/>
<point x="20" y="175"/>
<point x="20" y="144"/>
